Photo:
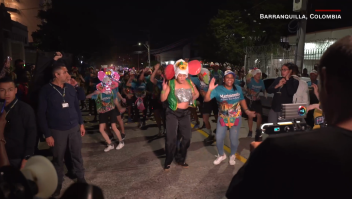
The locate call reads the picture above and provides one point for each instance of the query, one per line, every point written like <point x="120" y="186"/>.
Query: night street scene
<point x="237" y="99"/>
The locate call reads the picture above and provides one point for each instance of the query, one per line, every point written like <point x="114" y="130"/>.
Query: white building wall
<point x="26" y="15"/>
<point x="171" y="55"/>
<point x="322" y="35"/>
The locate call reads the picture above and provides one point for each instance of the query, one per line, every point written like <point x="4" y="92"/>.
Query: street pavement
<point x="136" y="171"/>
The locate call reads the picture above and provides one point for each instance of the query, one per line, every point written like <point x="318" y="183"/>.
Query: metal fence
<point x="270" y="58"/>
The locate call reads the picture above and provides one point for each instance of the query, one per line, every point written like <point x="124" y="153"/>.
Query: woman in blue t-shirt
<point x="230" y="99"/>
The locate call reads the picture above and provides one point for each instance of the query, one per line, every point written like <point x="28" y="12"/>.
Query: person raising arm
<point x="231" y="100"/>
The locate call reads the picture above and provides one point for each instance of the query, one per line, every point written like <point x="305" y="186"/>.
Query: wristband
<point x="162" y="92"/>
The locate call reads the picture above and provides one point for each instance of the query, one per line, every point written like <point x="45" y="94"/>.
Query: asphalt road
<point x="136" y="171"/>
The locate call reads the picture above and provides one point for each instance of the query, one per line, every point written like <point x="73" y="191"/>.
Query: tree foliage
<point x="238" y="25"/>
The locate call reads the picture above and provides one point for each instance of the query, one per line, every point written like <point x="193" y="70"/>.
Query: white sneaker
<point x="109" y="147"/>
<point x="219" y="159"/>
<point x="232" y="160"/>
<point x="120" y="146"/>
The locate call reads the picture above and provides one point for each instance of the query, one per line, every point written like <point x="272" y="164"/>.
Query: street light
<point x="148" y="48"/>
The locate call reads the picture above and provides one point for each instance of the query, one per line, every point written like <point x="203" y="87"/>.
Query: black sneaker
<point x="210" y="139"/>
<point x="123" y="136"/>
<point x="71" y="175"/>
<point x="258" y="135"/>
<point x="184" y="165"/>
<point x="167" y="168"/>
<point x="250" y="134"/>
<point x="57" y="191"/>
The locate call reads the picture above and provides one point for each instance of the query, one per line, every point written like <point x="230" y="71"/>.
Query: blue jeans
<point x="234" y="134"/>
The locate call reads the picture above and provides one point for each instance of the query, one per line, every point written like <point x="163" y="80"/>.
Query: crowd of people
<point x="113" y="92"/>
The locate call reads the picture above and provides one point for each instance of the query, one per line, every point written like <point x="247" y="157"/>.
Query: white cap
<point x="314" y="72"/>
<point x="228" y="72"/>
<point x="181" y="67"/>
<point x="255" y="71"/>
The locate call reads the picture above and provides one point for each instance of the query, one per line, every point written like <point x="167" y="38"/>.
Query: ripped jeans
<point x="221" y="134"/>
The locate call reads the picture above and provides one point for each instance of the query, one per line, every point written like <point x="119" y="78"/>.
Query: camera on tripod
<point x="291" y="120"/>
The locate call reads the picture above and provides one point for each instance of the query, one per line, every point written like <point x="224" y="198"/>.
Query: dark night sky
<point x="125" y="21"/>
<point x="170" y="21"/>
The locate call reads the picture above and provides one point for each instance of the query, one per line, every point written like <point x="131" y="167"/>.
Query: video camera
<point x="291" y="120"/>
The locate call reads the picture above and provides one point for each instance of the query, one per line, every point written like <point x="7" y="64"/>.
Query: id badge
<point x="65" y="105"/>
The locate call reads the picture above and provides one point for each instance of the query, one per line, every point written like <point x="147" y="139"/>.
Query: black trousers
<point x="148" y="104"/>
<point x="93" y="105"/>
<point x="214" y="106"/>
<point x="16" y="163"/>
<point x="68" y="160"/>
<point x="177" y="121"/>
<point x="71" y="139"/>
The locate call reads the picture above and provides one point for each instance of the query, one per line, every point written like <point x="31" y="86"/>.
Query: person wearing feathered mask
<point x="106" y="100"/>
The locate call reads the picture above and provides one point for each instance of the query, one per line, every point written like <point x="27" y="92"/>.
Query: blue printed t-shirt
<point x="254" y="88"/>
<point x="139" y="89"/>
<point x="195" y="81"/>
<point x="203" y="87"/>
<point x="150" y="85"/>
<point x="115" y="91"/>
<point x="310" y="83"/>
<point x="229" y="104"/>
<point x="218" y="75"/>
<point x="105" y="102"/>
<point x="237" y="82"/>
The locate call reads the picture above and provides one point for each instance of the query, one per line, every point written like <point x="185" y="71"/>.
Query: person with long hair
<point x="231" y="102"/>
<point x="180" y="94"/>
